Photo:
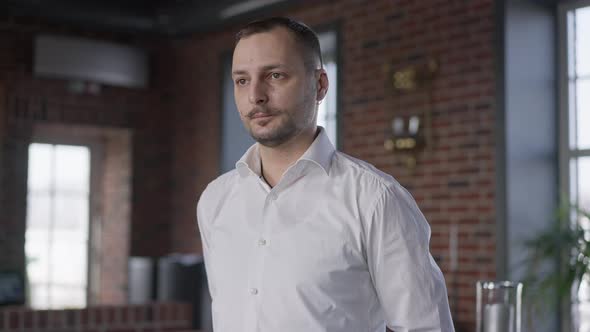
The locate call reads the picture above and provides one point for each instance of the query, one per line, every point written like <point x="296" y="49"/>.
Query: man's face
<point x="274" y="92"/>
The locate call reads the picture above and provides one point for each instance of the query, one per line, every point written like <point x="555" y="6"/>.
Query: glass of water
<point x="499" y="306"/>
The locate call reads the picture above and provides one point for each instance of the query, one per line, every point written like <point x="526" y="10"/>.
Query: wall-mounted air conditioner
<point x="90" y="60"/>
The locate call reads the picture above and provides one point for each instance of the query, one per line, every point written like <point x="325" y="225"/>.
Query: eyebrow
<point x="264" y="68"/>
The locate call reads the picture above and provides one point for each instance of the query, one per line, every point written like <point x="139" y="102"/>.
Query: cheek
<point x="241" y="103"/>
<point x="289" y="97"/>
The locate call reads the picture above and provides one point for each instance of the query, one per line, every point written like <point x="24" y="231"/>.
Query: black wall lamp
<point x="408" y="135"/>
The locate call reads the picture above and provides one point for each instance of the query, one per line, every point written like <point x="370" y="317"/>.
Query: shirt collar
<point x="320" y="152"/>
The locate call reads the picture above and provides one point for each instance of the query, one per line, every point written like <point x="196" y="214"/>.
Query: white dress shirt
<point x="335" y="246"/>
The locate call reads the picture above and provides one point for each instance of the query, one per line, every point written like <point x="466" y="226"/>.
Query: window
<point x="575" y="120"/>
<point x="235" y="139"/>
<point x="56" y="242"/>
<point x="578" y="103"/>
<point x="327" y="111"/>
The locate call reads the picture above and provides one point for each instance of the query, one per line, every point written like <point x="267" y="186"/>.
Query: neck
<point x="276" y="160"/>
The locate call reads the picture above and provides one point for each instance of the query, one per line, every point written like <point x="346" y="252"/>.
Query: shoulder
<point x="373" y="184"/>
<point x="364" y="173"/>
<point x="217" y="189"/>
<point x="222" y="182"/>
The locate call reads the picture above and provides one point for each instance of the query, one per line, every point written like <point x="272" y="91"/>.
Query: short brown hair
<point x="304" y="35"/>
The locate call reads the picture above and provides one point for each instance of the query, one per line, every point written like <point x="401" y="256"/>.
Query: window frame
<point x="48" y="135"/>
<point x="565" y="153"/>
<point x="335" y="27"/>
<point x="52" y="228"/>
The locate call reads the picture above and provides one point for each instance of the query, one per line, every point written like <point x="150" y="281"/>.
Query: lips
<point x="261" y="115"/>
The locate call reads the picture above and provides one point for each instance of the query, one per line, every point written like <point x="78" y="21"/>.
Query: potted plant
<point x="564" y="246"/>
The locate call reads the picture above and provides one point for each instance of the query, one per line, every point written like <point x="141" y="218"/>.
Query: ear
<point x="322" y="86"/>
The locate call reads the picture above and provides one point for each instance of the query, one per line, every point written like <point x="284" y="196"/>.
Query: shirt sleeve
<point x="409" y="284"/>
<point x="203" y="229"/>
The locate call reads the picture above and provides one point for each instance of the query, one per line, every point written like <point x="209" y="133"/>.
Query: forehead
<point x="274" y="47"/>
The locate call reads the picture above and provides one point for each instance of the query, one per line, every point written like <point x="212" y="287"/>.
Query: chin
<point x="272" y="138"/>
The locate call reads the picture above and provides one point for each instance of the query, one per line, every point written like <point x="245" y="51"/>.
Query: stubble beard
<point x="284" y="131"/>
<point x="289" y="127"/>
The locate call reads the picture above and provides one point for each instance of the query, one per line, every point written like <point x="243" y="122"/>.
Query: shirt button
<point x="253" y="291"/>
<point x="262" y="242"/>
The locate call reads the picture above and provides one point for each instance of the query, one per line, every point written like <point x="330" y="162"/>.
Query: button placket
<point x="260" y="242"/>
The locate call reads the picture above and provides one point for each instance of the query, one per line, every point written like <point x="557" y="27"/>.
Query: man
<point x="300" y="237"/>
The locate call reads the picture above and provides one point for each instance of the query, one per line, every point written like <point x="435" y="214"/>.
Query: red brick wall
<point x="157" y="317"/>
<point x="454" y="178"/>
<point x="114" y="232"/>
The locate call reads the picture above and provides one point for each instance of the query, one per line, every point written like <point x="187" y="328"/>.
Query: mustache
<point x="260" y="110"/>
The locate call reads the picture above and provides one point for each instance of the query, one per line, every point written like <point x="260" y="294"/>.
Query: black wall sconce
<point x="408" y="135"/>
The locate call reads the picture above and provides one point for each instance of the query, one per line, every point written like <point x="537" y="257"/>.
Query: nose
<point x="257" y="93"/>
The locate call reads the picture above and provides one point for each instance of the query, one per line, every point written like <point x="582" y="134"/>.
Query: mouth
<point x="261" y="115"/>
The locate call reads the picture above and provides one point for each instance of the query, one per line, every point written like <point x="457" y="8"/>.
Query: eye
<point x="240" y="81"/>
<point x="276" y="76"/>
